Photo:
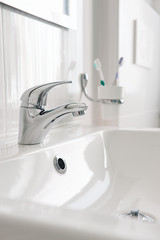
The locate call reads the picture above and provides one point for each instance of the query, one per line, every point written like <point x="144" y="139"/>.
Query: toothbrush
<point x="120" y="63"/>
<point x="97" y="65"/>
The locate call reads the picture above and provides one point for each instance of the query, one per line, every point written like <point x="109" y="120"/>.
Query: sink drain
<point x="137" y="214"/>
<point x="60" y="164"/>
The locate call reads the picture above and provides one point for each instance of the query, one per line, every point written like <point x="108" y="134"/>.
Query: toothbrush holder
<point x="106" y="94"/>
<point x="111" y="94"/>
<point x="110" y="97"/>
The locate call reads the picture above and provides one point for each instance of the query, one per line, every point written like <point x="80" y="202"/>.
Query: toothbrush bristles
<point x="97" y="65"/>
<point x="121" y="61"/>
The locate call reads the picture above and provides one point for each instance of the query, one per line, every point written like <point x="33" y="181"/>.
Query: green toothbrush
<point x="98" y="67"/>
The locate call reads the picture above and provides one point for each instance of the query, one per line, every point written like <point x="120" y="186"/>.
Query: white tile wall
<point x="34" y="52"/>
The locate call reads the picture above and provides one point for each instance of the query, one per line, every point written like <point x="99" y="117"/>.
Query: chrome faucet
<point x="35" y="121"/>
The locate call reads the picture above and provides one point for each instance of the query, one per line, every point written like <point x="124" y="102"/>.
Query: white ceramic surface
<point x="108" y="173"/>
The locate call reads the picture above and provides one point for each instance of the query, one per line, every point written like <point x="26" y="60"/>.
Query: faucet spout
<point x="35" y="121"/>
<point x="56" y="114"/>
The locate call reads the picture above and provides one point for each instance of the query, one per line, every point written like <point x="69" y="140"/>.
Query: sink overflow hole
<point x="60" y="164"/>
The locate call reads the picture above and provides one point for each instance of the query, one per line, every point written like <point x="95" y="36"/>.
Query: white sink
<point x="109" y="172"/>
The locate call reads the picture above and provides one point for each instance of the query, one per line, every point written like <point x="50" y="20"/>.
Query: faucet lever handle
<point x="36" y="97"/>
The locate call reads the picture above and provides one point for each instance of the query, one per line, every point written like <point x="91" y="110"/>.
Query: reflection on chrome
<point x="35" y="121"/>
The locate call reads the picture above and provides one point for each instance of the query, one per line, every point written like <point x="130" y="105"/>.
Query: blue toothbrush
<point x="120" y="63"/>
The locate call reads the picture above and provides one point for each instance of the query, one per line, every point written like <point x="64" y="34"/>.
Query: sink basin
<point x="107" y="173"/>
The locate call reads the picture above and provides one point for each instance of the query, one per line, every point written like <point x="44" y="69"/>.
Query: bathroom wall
<point x="100" y="40"/>
<point x="150" y="2"/>
<point x="34" y="52"/>
<point x="114" y="37"/>
<point x="156" y="5"/>
<point x="142" y="84"/>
